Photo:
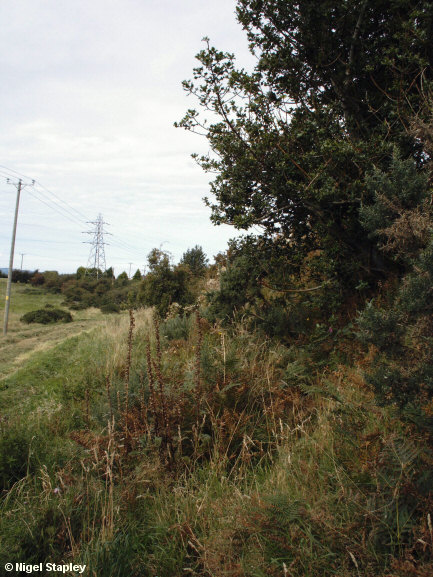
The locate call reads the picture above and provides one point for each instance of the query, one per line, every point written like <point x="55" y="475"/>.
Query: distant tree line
<point x="22" y="276"/>
<point x="165" y="284"/>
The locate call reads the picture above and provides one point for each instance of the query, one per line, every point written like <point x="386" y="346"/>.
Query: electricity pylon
<point x="96" y="262"/>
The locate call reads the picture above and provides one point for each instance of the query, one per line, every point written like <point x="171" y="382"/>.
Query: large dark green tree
<point x="333" y="92"/>
<point x="196" y="260"/>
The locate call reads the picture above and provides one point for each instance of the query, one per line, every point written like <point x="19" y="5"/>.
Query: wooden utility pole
<point x="19" y="185"/>
<point x="11" y="259"/>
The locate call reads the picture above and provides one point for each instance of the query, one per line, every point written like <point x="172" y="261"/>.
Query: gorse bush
<point x="400" y="327"/>
<point x="382" y="328"/>
<point x="46" y="316"/>
<point x="400" y="214"/>
<point x="178" y="327"/>
<point x="110" y="308"/>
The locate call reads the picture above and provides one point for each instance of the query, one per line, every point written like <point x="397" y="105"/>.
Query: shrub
<point x="177" y="328"/>
<point x="21" y="453"/>
<point x="382" y="328"/>
<point x="110" y="308"/>
<point x="22" y="276"/>
<point x="164" y="284"/>
<point x="237" y="287"/>
<point x="46" y="316"/>
<point x="400" y="219"/>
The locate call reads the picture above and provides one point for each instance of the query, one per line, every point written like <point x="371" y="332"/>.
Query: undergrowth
<point x="183" y="448"/>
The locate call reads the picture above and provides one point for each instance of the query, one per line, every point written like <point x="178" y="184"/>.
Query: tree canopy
<point x="195" y="259"/>
<point x="334" y="91"/>
<point x="325" y="146"/>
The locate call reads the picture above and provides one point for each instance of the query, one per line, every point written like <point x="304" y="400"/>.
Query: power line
<point x="81" y="217"/>
<point x="4" y="176"/>
<point x="56" y="209"/>
<point x="70" y="213"/>
<point x="60" y="207"/>
<point x="47" y="257"/>
<point x="44" y="241"/>
<point x="126" y="249"/>
<point x="9" y="173"/>
<point x="15" y="172"/>
<point x="78" y="214"/>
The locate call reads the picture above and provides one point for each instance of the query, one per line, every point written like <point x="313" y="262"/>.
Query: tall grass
<point x="178" y="448"/>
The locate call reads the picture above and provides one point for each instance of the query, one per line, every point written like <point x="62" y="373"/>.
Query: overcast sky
<point x="90" y="92"/>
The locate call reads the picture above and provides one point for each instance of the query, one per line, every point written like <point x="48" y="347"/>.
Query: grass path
<point x="23" y="341"/>
<point x="58" y="364"/>
<point x="24" y="345"/>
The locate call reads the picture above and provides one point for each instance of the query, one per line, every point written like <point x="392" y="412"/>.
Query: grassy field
<point x="24" y="340"/>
